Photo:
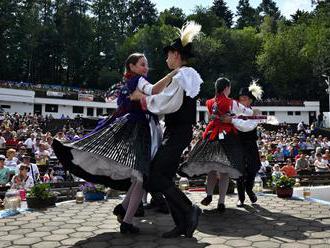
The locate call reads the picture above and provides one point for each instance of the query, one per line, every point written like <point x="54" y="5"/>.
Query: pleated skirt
<point x="221" y="155"/>
<point x="111" y="155"/>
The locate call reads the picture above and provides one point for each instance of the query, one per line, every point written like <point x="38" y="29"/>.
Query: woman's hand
<point x="136" y="95"/>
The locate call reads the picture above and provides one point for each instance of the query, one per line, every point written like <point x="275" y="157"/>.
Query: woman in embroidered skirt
<point x="120" y="148"/>
<point x="219" y="152"/>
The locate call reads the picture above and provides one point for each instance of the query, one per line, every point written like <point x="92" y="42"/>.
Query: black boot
<point x="182" y="203"/>
<point x="126" y="228"/>
<point x="179" y="221"/>
<point x="221" y="208"/>
<point x="174" y="233"/>
<point x="249" y="189"/>
<point x="240" y="190"/>
<point x="207" y="200"/>
<point x="120" y="212"/>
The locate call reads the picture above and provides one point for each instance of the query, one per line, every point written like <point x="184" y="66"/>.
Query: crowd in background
<point x="26" y="151"/>
<point x="25" y="148"/>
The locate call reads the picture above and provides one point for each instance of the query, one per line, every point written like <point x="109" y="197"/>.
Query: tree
<point x="269" y="8"/>
<point x="173" y="17"/>
<point x="221" y="10"/>
<point x="286" y="70"/>
<point x="247" y="16"/>
<point x="141" y="13"/>
<point x="300" y="16"/>
<point x="207" y="19"/>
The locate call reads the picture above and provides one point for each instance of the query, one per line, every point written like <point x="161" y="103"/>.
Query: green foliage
<point x="283" y="182"/>
<point x="173" y="17"/>
<point x="86" y="42"/>
<point x="40" y="191"/>
<point x="221" y="10"/>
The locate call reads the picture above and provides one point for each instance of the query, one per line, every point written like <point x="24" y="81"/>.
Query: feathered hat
<point x="183" y="44"/>
<point x="254" y="91"/>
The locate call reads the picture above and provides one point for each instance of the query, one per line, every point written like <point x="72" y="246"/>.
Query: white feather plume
<point x="256" y="89"/>
<point x="189" y="31"/>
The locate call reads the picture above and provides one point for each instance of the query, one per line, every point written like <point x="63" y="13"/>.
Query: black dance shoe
<point x="207" y="200"/>
<point x="221" y="208"/>
<point x="174" y="233"/>
<point x="126" y="228"/>
<point x="240" y="204"/>
<point x="120" y="212"/>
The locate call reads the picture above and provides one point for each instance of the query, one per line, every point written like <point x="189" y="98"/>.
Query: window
<point x="6" y="106"/>
<point x="51" y="108"/>
<point x="90" y="111"/>
<point x="109" y="110"/>
<point x="99" y="111"/>
<point x="271" y="113"/>
<point x="77" y="110"/>
<point x="298" y="113"/>
<point x="264" y="112"/>
<point x="290" y="113"/>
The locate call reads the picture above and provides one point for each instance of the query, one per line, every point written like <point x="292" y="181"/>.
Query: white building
<point x="289" y="114"/>
<point x="24" y="101"/>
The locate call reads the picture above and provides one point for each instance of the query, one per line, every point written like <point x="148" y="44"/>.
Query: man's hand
<point x="226" y="118"/>
<point x="136" y="95"/>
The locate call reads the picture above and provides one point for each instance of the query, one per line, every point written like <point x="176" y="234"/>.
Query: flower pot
<point x="284" y="192"/>
<point x="37" y="203"/>
<point x="94" y="196"/>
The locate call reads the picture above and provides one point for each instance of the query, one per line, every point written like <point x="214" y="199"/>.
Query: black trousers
<point x="163" y="169"/>
<point x="252" y="165"/>
<point x="166" y="161"/>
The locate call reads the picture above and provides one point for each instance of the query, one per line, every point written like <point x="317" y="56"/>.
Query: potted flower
<point x="92" y="192"/>
<point x="40" y="196"/>
<point x="284" y="186"/>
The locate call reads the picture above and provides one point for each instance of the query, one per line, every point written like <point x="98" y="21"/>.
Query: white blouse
<point x="187" y="81"/>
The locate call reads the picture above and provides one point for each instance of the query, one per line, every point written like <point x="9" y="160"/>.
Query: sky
<point x="287" y="7"/>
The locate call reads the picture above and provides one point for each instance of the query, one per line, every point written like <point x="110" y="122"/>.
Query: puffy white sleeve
<point x="168" y="101"/>
<point x="240" y="109"/>
<point x="245" y="125"/>
<point x="145" y="86"/>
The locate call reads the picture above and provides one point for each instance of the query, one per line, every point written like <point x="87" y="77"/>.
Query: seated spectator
<point x="289" y="169"/>
<point x="4" y="171"/>
<point x="2" y="141"/>
<point x="22" y="180"/>
<point x="42" y="156"/>
<point x="278" y="155"/>
<point x="29" y="142"/>
<point x="263" y="169"/>
<point x="320" y="165"/>
<point x="12" y="141"/>
<point x="21" y="152"/>
<point x="33" y="168"/>
<point x="276" y="172"/>
<point x="309" y="145"/>
<point x="302" y="165"/>
<point x="49" y="176"/>
<point x="11" y="161"/>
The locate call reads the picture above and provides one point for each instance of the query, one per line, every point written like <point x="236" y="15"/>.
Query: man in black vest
<point x="251" y="154"/>
<point x="178" y="103"/>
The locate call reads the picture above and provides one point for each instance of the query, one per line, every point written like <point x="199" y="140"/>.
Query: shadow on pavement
<point x="256" y="220"/>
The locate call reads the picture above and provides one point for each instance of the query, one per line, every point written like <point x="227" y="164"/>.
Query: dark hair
<point x="221" y="84"/>
<point x="132" y="59"/>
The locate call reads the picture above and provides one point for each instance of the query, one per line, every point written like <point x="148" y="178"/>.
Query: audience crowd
<point x="26" y="152"/>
